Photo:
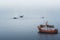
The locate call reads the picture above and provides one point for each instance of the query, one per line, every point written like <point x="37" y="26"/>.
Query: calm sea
<point x="23" y="29"/>
<point x="26" y="28"/>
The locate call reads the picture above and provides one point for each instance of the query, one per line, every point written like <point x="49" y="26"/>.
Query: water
<point x="23" y="29"/>
<point x="26" y="28"/>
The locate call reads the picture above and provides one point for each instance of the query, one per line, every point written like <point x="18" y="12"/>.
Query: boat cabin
<point x="47" y="29"/>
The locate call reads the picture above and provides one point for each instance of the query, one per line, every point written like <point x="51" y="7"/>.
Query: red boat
<point x="47" y="29"/>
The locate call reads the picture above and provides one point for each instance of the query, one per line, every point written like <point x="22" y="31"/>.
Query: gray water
<point x="23" y="29"/>
<point x="26" y="28"/>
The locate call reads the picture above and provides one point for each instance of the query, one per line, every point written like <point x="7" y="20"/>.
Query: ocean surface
<point x="23" y="29"/>
<point x="26" y="28"/>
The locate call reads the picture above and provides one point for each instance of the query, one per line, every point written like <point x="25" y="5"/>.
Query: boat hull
<point x="47" y="31"/>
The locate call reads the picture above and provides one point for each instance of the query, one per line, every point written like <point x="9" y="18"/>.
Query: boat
<point x="21" y="16"/>
<point x="50" y="29"/>
<point x="15" y="18"/>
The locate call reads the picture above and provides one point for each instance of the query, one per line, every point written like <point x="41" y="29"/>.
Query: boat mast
<point x="46" y="24"/>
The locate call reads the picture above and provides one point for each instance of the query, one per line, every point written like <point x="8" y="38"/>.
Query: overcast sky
<point x="32" y="8"/>
<point x="47" y="3"/>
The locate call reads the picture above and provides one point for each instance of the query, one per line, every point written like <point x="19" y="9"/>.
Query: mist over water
<point x="26" y="28"/>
